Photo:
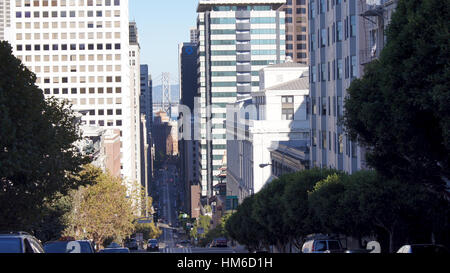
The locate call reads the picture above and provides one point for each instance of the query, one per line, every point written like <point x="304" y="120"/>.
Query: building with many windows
<point x="236" y="40"/>
<point x="79" y="51"/>
<point x="344" y="35"/>
<point x="297" y="30"/>
<point x="258" y="124"/>
<point x="5" y="17"/>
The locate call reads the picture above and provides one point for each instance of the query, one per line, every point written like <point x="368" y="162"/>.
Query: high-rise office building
<point x="135" y="86"/>
<point x="297" y="30"/>
<point x="79" y="51"/>
<point x="5" y="17"/>
<point x="340" y="46"/>
<point x="236" y="39"/>
<point x="193" y="35"/>
<point x="188" y="146"/>
<point x="146" y="105"/>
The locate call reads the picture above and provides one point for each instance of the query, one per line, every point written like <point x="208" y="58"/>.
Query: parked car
<point x="19" y="242"/>
<point x="115" y="250"/>
<point x="357" y="251"/>
<point x="152" y="245"/>
<point x="131" y="244"/>
<point x="423" y="249"/>
<point x="219" y="242"/>
<point x="322" y="244"/>
<point x="69" y="245"/>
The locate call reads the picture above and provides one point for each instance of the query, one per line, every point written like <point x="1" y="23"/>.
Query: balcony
<point x="244" y="78"/>
<point x="243" y="37"/>
<point x="243" y="57"/>
<point x="243" y="26"/>
<point x="244" y="68"/>
<point x="243" y="47"/>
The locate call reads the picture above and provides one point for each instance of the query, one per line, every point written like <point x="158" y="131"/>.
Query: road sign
<point x="139" y="237"/>
<point x="200" y="231"/>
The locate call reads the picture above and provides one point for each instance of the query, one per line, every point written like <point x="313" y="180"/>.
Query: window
<point x="353" y="26"/>
<point x="353" y="69"/>
<point x="339" y="31"/>
<point x="287" y="107"/>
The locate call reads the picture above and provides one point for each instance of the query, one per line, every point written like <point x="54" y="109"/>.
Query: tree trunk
<point x="391" y="242"/>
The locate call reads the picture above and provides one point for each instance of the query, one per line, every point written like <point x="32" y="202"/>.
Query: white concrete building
<point x="344" y="36"/>
<point x="5" y="17"/>
<point x="277" y="113"/>
<point x="79" y="51"/>
<point x="236" y="39"/>
<point x="135" y="78"/>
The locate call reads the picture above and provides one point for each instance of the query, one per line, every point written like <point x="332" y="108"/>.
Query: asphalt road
<point x="167" y="192"/>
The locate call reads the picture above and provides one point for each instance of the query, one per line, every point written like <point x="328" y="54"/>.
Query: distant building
<point x="189" y="146"/>
<point x="165" y="135"/>
<point x="5" y="17"/>
<point x="146" y="104"/>
<point x="297" y="30"/>
<point x="103" y="146"/>
<point x="135" y="78"/>
<point x="79" y="55"/>
<point x="193" y="35"/>
<point x="236" y="40"/>
<point x="258" y="124"/>
<point x="289" y="157"/>
<point x="344" y="36"/>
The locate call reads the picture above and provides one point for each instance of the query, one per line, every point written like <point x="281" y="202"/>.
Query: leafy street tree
<point x="324" y="204"/>
<point x="295" y="202"/>
<point x="149" y="231"/>
<point x="37" y="157"/>
<point x="101" y="211"/>
<point x="268" y="211"/>
<point x="400" y="109"/>
<point x="244" y="229"/>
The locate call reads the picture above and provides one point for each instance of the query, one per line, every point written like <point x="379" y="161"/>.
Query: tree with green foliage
<point x="400" y="108"/>
<point x="295" y="202"/>
<point x="38" y="159"/>
<point x="149" y="230"/>
<point x="268" y="211"/>
<point x="101" y="211"/>
<point x="243" y="228"/>
<point x="324" y="204"/>
<point x="203" y="222"/>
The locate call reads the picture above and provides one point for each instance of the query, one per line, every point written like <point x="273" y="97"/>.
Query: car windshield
<point x="334" y="245"/>
<point x="153" y="242"/>
<point x="68" y="247"/>
<point x="10" y="245"/>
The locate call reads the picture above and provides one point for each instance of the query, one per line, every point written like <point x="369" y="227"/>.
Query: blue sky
<point x="162" y="25"/>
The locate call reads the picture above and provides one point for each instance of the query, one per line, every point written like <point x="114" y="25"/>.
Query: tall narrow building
<point x="5" y="17"/>
<point x="135" y="88"/>
<point x="79" y="51"/>
<point x="344" y="36"/>
<point x="236" y="40"/>
<point x="297" y="30"/>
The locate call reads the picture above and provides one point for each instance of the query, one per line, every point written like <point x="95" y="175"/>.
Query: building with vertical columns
<point x="297" y="30"/>
<point x="5" y="17"/>
<point x="135" y="78"/>
<point x="344" y="36"/>
<point x="79" y="51"/>
<point x="236" y="39"/>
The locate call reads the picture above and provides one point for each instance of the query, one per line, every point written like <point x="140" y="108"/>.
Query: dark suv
<point x="19" y="242"/>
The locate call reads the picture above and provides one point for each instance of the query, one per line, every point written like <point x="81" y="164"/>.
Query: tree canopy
<point x="37" y="157"/>
<point x="400" y="108"/>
